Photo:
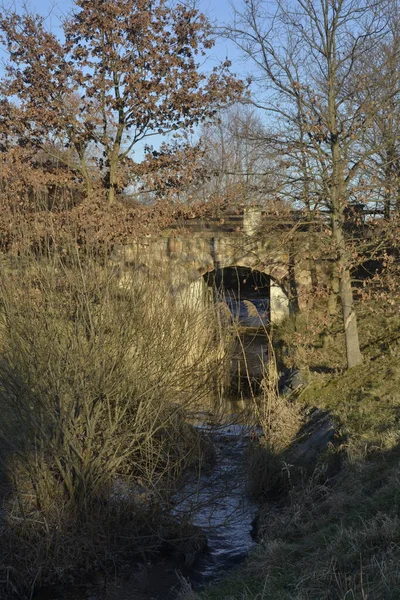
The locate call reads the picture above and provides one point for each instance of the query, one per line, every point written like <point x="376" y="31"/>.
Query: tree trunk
<point x="80" y="149"/>
<point x="111" y="182"/>
<point x="87" y="179"/>
<point x="353" y="351"/>
<point x="389" y="177"/>
<point x="292" y="284"/>
<point x="311" y="261"/>
<point x="337" y="198"/>
<point x="113" y="158"/>
<point x="333" y="292"/>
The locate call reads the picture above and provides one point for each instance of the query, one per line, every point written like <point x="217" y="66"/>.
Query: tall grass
<point x="280" y="419"/>
<point x="96" y="375"/>
<point x="337" y="537"/>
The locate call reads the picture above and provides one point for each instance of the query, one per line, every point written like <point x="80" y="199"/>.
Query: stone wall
<point x="190" y="252"/>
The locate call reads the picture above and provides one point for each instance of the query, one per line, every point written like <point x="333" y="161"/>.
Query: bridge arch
<point x="248" y="291"/>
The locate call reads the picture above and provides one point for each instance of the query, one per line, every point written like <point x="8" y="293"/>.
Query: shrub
<point x="280" y="419"/>
<point x="96" y="377"/>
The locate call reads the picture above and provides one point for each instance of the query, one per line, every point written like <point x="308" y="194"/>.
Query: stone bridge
<point x="233" y="250"/>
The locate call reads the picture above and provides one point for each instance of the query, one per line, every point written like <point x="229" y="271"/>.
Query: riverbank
<point x="335" y="533"/>
<point x="219" y="515"/>
<point x="96" y="384"/>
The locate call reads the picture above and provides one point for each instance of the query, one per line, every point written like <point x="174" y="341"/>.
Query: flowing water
<point x="218" y="504"/>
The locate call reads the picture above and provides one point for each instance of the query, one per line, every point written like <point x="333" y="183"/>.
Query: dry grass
<point x="96" y="378"/>
<point x="338" y="537"/>
<point x="280" y="419"/>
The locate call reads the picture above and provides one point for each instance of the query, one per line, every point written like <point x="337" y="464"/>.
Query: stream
<point x="221" y="506"/>
<point x="217" y="503"/>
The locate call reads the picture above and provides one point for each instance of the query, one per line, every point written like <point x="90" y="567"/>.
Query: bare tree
<point x="383" y="169"/>
<point x="307" y="56"/>
<point x="240" y="166"/>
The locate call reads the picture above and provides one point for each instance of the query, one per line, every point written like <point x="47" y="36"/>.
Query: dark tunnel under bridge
<point x="247" y="294"/>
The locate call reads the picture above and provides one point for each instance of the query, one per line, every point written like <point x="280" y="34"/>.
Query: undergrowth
<point x="97" y="373"/>
<point x="337" y="536"/>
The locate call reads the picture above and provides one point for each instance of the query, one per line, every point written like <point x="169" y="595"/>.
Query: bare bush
<point x="95" y="379"/>
<point x="280" y="419"/>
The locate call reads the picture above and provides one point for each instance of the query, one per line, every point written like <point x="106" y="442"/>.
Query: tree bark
<point x="87" y="178"/>
<point x="292" y="283"/>
<point x="113" y="166"/>
<point x="112" y="182"/>
<point x="334" y="290"/>
<point x="338" y="202"/>
<point x="389" y="179"/>
<point x="353" y="352"/>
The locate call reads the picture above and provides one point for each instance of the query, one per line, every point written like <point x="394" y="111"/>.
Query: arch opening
<point x="245" y="291"/>
<point x="254" y="301"/>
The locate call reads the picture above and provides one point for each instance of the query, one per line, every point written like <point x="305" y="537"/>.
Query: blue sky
<point x="215" y="9"/>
